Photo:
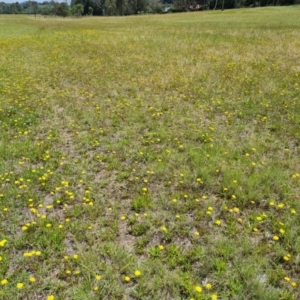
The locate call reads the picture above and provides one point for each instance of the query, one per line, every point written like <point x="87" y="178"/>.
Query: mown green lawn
<point x="151" y="157"/>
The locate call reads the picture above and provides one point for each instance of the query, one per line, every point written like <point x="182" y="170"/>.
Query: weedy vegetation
<point x="151" y="157"/>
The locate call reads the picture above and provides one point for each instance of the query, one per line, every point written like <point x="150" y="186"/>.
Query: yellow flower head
<point x="208" y="286"/>
<point x="20" y="285"/>
<point x="2" y="243"/>
<point x="198" y="289"/>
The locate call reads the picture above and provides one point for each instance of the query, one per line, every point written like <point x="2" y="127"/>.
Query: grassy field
<point x="151" y="157"/>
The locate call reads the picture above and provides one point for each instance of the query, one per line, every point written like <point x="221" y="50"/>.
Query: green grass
<point x="164" y="144"/>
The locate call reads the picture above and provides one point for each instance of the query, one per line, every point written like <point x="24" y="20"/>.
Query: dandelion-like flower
<point x="198" y="289"/>
<point x="20" y="285"/>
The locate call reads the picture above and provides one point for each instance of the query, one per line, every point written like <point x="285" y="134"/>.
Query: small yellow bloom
<point x="20" y="285"/>
<point x="161" y="247"/>
<point x="236" y="209"/>
<point x="127" y="278"/>
<point x="98" y="277"/>
<point x="32" y="279"/>
<point x="75" y="256"/>
<point x="198" y="289"/>
<point x="123" y="218"/>
<point x="214" y="297"/>
<point x="4" y="282"/>
<point x="50" y="297"/>
<point x="294" y="284"/>
<point x="164" y="228"/>
<point x="137" y="273"/>
<point x="95" y="288"/>
<point x="3" y="242"/>
<point x="275" y="238"/>
<point x="208" y="286"/>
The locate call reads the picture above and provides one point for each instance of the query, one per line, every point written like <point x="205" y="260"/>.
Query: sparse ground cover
<point x="151" y="157"/>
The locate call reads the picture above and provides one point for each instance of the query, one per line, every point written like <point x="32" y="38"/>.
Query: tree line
<point x="129" y="7"/>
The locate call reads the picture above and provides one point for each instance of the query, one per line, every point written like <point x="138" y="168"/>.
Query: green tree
<point x="62" y="9"/>
<point x="78" y="9"/>
<point x="120" y="6"/>
<point x="35" y="8"/>
<point x="45" y="11"/>
<point x="99" y="5"/>
<point x="91" y="10"/>
<point x="111" y="7"/>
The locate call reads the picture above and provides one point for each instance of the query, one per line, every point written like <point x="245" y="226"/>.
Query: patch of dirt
<point x="126" y="240"/>
<point x="70" y="244"/>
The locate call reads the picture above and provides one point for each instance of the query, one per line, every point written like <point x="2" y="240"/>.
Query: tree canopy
<point x="129" y="7"/>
